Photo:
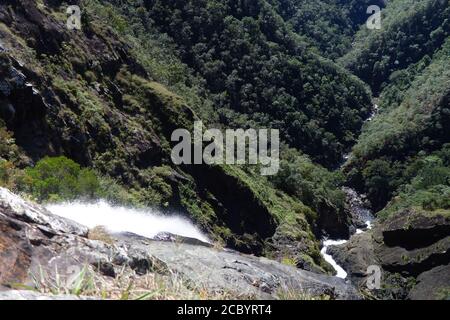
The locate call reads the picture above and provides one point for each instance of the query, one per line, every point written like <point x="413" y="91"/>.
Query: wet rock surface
<point x="358" y="209"/>
<point x="33" y="241"/>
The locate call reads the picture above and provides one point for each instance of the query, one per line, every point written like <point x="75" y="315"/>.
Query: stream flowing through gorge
<point x="340" y="272"/>
<point x="359" y="211"/>
<point x="150" y="222"/>
<point x="362" y="215"/>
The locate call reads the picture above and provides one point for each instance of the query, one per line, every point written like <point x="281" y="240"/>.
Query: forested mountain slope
<point x="91" y="95"/>
<point x="328" y="25"/>
<point x="410" y="30"/>
<point x="260" y="73"/>
<point x="108" y="97"/>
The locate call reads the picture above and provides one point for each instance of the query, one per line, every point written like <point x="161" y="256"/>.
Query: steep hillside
<point x="88" y="114"/>
<point x="260" y="73"/>
<point x="410" y="30"/>
<point x="414" y="122"/>
<point x="91" y="95"/>
<point x="328" y="25"/>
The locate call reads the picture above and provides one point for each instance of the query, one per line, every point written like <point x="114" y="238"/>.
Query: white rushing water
<point x="368" y="226"/>
<point x="341" y="273"/>
<point x="328" y="258"/>
<point x="147" y="223"/>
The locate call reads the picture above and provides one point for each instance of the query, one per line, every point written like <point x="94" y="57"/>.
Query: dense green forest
<point x="414" y="119"/>
<point x="259" y="73"/>
<point x="94" y="117"/>
<point x="410" y="30"/>
<point x="327" y="25"/>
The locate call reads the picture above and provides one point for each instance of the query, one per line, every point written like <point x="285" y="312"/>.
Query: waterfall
<point x="146" y="222"/>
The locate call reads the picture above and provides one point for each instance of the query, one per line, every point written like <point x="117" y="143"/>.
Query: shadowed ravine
<point x="360" y="213"/>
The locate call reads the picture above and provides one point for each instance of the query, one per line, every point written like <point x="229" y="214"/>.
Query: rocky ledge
<point x="35" y="244"/>
<point x="413" y="250"/>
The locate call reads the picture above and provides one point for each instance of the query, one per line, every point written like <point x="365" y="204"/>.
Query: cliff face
<point x="83" y="94"/>
<point x="44" y="252"/>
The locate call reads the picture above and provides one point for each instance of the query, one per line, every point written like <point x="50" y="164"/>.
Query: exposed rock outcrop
<point x="413" y="250"/>
<point x="35" y="242"/>
<point x="355" y="257"/>
<point x="432" y="284"/>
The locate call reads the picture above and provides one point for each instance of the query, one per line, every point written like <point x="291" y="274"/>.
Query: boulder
<point x="411" y="247"/>
<point x="244" y="275"/>
<point x="432" y="284"/>
<point x="355" y="256"/>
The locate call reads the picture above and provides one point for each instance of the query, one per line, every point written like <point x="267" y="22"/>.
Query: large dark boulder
<point x="432" y="284"/>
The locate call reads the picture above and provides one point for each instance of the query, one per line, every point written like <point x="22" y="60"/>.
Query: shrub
<point x="60" y="178"/>
<point x="8" y="148"/>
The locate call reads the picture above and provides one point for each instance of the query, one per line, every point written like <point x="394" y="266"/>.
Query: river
<point x="361" y="215"/>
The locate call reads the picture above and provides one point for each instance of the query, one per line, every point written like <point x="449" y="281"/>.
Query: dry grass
<point x="127" y="285"/>
<point x="101" y="234"/>
<point x="289" y="261"/>
<point x="287" y="293"/>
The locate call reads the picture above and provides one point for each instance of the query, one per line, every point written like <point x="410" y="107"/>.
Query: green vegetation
<point x="258" y="73"/>
<point x="311" y="184"/>
<point x="328" y="25"/>
<point x="55" y="179"/>
<point x="61" y="179"/>
<point x="410" y="30"/>
<point x="9" y="156"/>
<point x="110" y="95"/>
<point x="429" y="186"/>
<point x="114" y="121"/>
<point x="413" y="123"/>
<point x="444" y="294"/>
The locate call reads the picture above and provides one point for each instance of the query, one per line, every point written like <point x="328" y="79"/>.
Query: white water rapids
<point x="340" y="272"/>
<point x="328" y="258"/>
<point x="359" y="209"/>
<point x="147" y="223"/>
